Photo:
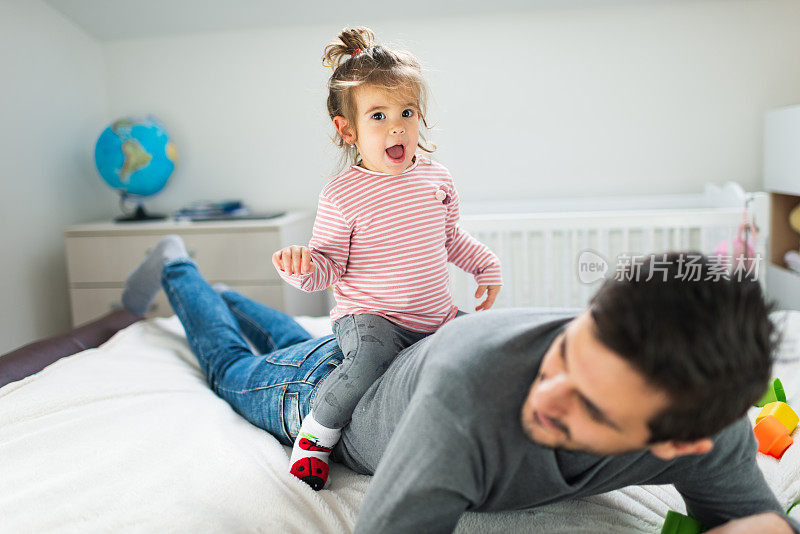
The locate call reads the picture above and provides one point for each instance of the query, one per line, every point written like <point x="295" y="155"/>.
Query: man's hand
<point x="490" y="296"/>
<point x="769" y="522"/>
<point x="294" y="260"/>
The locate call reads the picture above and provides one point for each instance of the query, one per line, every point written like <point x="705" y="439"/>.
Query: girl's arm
<point x="329" y="249"/>
<point x="466" y="252"/>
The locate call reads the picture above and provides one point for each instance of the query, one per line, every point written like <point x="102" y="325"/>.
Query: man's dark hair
<point x="703" y="338"/>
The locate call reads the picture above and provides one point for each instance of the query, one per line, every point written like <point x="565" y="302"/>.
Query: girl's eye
<point x="378" y="115"/>
<point x="408" y="113"/>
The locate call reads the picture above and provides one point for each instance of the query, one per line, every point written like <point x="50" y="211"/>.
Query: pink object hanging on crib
<point x="743" y="248"/>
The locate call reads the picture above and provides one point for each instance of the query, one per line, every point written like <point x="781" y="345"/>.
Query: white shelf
<point x="783" y="286"/>
<point x="781" y="156"/>
<point x="182" y="226"/>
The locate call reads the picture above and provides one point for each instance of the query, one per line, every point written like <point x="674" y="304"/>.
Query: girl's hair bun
<point x="357" y="60"/>
<point x="350" y="40"/>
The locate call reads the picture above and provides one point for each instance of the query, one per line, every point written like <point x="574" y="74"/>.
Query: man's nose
<point x="555" y="394"/>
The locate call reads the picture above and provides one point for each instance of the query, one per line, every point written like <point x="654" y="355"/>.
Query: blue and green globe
<point x="135" y="156"/>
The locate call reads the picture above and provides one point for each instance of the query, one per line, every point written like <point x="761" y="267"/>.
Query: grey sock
<point x="144" y="282"/>
<point x="220" y="288"/>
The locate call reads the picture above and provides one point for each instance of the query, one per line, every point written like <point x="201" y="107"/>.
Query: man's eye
<point x="408" y="113"/>
<point x="378" y="115"/>
<point x="594" y="414"/>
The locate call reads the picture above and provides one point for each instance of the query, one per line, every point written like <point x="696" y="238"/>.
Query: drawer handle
<point x="192" y="252"/>
<point x="118" y="306"/>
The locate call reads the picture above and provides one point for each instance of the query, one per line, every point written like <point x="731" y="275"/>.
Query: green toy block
<point x="676" y="523"/>
<point x="774" y="393"/>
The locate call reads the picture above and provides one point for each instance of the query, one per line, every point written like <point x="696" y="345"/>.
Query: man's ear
<point x="668" y="450"/>
<point x="344" y="129"/>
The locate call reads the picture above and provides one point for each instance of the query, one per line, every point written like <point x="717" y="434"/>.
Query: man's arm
<point x="427" y="477"/>
<point x="730" y="490"/>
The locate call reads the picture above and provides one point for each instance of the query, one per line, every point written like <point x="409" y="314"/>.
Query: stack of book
<point x="203" y="210"/>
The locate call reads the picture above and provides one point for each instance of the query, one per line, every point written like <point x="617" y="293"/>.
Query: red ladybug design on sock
<point x="312" y="471"/>
<point x="308" y="445"/>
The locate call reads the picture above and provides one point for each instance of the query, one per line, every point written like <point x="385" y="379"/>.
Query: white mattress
<point x="129" y="437"/>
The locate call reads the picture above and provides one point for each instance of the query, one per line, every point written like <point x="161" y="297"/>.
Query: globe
<point x="135" y="157"/>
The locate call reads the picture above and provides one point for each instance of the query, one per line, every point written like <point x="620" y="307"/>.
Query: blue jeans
<point x="274" y="390"/>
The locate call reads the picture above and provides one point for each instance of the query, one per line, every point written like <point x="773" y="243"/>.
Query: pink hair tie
<point x="355" y="52"/>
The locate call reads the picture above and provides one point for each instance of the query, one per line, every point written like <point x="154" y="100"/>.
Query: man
<point x="503" y="410"/>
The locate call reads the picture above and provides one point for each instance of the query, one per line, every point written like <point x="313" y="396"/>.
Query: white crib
<point x="539" y="243"/>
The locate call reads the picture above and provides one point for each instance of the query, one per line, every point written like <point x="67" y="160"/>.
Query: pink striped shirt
<point x="383" y="242"/>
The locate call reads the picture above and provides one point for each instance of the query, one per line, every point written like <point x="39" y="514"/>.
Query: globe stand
<point x="138" y="215"/>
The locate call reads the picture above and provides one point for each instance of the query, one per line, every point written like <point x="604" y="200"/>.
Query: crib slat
<point x="626" y="243"/>
<point x="704" y="240"/>
<point x="730" y="254"/>
<point x="565" y="273"/>
<point x="548" y="247"/>
<point x="651" y="237"/>
<point x="605" y="249"/>
<point x="584" y="288"/>
<point x="526" y="270"/>
<point x="507" y="267"/>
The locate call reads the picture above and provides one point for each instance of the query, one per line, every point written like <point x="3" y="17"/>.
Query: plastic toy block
<point x="772" y="436"/>
<point x="676" y="523"/>
<point x="782" y="412"/>
<point x="774" y="393"/>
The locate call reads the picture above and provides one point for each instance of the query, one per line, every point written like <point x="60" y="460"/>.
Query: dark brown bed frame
<point x="35" y="356"/>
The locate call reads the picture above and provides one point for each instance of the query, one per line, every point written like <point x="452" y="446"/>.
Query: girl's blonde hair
<point x="356" y="60"/>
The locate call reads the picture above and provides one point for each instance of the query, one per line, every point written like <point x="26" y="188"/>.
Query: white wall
<point x="618" y="100"/>
<point x="52" y="97"/>
<point x="555" y="103"/>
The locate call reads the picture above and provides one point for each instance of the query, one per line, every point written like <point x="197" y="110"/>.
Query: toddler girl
<point x="384" y="231"/>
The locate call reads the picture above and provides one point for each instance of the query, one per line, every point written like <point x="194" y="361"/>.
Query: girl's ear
<point x="344" y="129"/>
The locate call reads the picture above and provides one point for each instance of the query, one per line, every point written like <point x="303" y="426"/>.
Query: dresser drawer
<point x="244" y="256"/>
<point x="91" y="303"/>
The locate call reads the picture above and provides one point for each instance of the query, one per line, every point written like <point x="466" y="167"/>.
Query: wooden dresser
<point x="101" y="255"/>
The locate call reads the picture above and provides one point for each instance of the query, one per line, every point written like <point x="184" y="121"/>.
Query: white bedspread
<point x="129" y="437"/>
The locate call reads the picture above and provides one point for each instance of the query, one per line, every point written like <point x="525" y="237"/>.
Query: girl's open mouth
<point x="396" y="153"/>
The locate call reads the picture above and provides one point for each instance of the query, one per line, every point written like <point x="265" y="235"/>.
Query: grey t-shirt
<point x="441" y="432"/>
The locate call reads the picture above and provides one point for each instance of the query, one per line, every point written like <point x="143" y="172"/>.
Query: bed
<point x="127" y="436"/>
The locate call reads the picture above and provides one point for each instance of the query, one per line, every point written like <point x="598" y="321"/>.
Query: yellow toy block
<point x="782" y="412"/>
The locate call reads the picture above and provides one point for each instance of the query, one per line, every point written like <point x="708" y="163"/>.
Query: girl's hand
<point x="764" y="522"/>
<point x="490" y="296"/>
<point x="294" y="260"/>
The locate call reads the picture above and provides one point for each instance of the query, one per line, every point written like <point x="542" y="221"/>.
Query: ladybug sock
<point x="312" y="448"/>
